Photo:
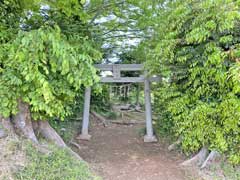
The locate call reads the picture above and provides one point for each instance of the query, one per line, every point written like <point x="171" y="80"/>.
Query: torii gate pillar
<point x="149" y="137"/>
<point x="86" y="111"/>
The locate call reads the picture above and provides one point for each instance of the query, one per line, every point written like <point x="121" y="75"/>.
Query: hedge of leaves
<point x="197" y="50"/>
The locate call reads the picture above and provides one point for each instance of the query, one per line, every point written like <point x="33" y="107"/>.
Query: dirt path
<point x="117" y="152"/>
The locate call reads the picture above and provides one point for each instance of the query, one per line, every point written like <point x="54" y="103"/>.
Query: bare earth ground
<point x="117" y="152"/>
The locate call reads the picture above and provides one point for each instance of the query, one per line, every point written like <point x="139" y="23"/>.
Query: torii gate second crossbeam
<point x="116" y="70"/>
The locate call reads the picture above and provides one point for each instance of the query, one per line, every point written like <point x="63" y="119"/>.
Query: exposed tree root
<point x="121" y="107"/>
<point x="49" y="133"/>
<point x="203" y="159"/>
<point x="35" y="127"/>
<point x="75" y="144"/>
<point x="210" y="159"/>
<point x="23" y="123"/>
<point x="198" y="159"/>
<point x="175" y="145"/>
<point x="8" y="126"/>
<point x="99" y="117"/>
<point x="139" y="110"/>
<point x="126" y="122"/>
<point x="74" y="154"/>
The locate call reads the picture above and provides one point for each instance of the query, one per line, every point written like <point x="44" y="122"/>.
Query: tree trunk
<point x="198" y="159"/>
<point x="210" y="159"/>
<point x="23" y="123"/>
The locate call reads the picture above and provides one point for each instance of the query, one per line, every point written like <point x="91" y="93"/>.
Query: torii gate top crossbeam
<point x="122" y="67"/>
<point x="117" y="68"/>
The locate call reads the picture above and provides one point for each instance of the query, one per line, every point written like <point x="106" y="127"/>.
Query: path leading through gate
<point x="117" y="152"/>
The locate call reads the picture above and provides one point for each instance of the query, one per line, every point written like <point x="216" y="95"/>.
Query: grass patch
<point x="142" y="131"/>
<point x="12" y="157"/>
<point x="66" y="129"/>
<point x="230" y="172"/>
<point x="54" y="166"/>
<point x="221" y="170"/>
<point x="110" y="114"/>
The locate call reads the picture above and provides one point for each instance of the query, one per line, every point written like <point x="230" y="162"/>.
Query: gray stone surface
<point x="150" y="139"/>
<point x="86" y="111"/>
<point x="85" y="137"/>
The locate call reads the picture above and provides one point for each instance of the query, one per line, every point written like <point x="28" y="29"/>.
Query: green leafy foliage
<point x="196" y="52"/>
<point x="44" y="64"/>
<point x="46" y="71"/>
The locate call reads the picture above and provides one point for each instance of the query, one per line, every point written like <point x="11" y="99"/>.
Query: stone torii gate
<point x="116" y="70"/>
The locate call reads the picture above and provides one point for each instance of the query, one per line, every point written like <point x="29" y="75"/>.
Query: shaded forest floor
<point x="117" y="152"/>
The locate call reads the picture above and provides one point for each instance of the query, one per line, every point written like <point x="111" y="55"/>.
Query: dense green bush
<point x="197" y="53"/>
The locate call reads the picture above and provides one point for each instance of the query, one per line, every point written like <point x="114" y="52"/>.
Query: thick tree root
<point x="118" y="108"/>
<point x="198" y="159"/>
<point x="210" y="159"/>
<point x="203" y="159"/>
<point x="75" y="144"/>
<point x="126" y="122"/>
<point x="23" y="122"/>
<point x="8" y="126"/>
<point x="74" y="154"/>
<point x="49" y="133"/>
<point x="23" y="125"/>
<point x="99" y="117"/>
<point x="174" y="146"/>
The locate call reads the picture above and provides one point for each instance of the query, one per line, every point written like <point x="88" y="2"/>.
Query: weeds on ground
<point x="66" y="129"/>
<point x="220" y="170"/>
<point x="59" y="164"/>
<point x="12" y="157"/>
<point x="230" y="172"/>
